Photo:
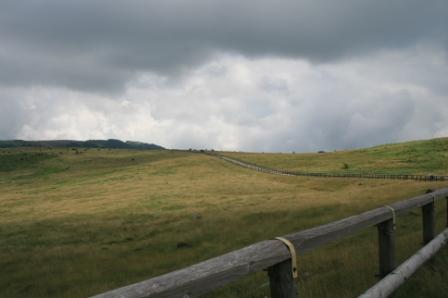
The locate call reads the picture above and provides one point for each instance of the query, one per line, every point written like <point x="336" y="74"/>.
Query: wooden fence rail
<point x="398" y="276"/>
<point x="274" y="256"/>
<point x="346" y="174"/>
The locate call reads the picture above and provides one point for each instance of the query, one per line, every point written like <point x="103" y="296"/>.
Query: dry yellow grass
<point x="74" y="225"/>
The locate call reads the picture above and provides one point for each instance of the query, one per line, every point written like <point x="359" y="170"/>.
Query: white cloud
<point x="265" y="104"/>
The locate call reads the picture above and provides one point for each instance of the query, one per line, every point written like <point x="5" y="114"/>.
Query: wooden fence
<point x="346" y="174"/>
<point x="274" y="255"/>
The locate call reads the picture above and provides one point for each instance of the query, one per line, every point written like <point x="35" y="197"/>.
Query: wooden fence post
<point x="281" y="281"/>
<point x="428" y="220"/>
<point x="446" y="199"/>
<point x="386" y="241"/>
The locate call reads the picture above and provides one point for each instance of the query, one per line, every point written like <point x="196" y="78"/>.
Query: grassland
<point x="76" y="224"/>
<point x="418" y="157"/>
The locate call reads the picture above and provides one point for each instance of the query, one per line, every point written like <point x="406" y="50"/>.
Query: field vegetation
<point x="74" y="223"/>
<point x="417" y="157"/>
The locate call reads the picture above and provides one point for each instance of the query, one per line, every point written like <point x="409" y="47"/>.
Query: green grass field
<point x="418" y="157"/>
<point x="77" y="224"/>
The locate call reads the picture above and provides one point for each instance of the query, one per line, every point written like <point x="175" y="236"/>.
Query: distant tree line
<point x="110" y="144"/>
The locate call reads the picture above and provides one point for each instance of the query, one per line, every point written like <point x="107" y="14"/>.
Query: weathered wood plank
<point x="428" y="221"/>
<point x="208" y="275"/>
<point x="391" y="282"/>
<point x="281" y="282"/>
<point x="386" y="247"/>
<point x="217" y="272"/>
<point x="446" y="214"/>
<point x="318" y="236"/>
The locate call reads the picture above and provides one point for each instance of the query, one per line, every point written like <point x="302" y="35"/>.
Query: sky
<point x="253" y="75"/>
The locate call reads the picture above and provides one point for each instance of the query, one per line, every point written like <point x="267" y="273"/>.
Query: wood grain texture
<point x="281" y="282"/>
<point x="402" y="273"/>
<point x="386" y="247"/>
<point x="217" y="272"/>
<point x="429" y="222"/>
<point x="446" y="213"/>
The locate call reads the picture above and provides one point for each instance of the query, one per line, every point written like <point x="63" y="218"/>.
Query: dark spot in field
<point x="129" y="239"/>
<point x="197" y="216"/>
<point x="132" y="159"/>
<point x="183" y="245"/>
<point x="429" y="190"/>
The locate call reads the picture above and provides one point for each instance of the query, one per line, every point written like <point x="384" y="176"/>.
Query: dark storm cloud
<point x="100" y="45"/>
<point x="242" y="75"/>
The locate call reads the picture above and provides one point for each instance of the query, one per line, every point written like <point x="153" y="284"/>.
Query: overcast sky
<point x="253" y="75"/>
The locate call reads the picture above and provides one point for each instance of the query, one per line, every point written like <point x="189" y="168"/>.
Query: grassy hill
<point x="110" y="143"/>
<point x="418" y="157"/>
<point x="77" y="224"/>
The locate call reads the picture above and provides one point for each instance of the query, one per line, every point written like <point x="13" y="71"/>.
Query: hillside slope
<point x="419" y="157"/>
<point x="108" y="144"/>
<point x="74" y="225"/>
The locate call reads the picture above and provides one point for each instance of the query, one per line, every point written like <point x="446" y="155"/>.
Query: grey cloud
<point x="252" y="75"/>
<point x="11" y="116"/>
<point x="95" y="45"/>
<point x="322" y="107"/>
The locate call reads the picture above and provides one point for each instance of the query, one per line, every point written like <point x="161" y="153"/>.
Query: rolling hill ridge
<point x="110" y="143"/>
